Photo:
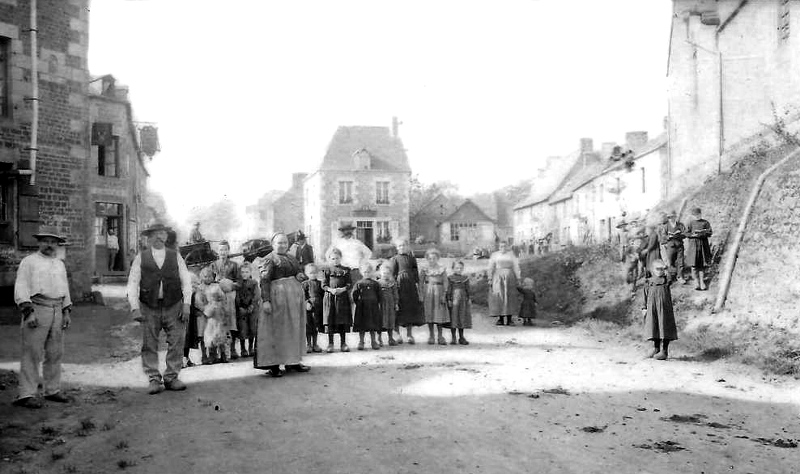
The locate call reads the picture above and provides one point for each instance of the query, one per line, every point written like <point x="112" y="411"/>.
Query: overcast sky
<point x="245" y="92"/>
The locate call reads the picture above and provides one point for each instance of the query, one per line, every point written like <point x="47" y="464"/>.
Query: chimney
<point x="587" y="145"/>
<point x="395" y="127"/>
<point x="634" y="140"/>
<point x="297" y="180"/>
<point x="608" y="149"/>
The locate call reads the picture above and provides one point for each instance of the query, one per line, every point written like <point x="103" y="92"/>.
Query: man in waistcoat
<point x="41" y="292"/>
<point x="159" y="293"/>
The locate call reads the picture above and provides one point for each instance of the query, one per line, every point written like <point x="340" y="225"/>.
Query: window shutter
<point x="28" y="214"/>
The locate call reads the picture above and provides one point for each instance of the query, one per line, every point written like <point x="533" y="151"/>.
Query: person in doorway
<point x="112" y="247"/>
<point x="160" y="296"/>
<point x="41" y="292"/>
<point x="698" y="250"/>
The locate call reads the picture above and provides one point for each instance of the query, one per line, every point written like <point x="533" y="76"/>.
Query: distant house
<point x="288" y="208"/>
<point x="426" y="222"/>
<point x="260" y="217"/>
<point x="466" y="228"/>
<point x="364" y="179"/>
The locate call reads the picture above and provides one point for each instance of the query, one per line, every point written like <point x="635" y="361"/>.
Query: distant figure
<point x="301" y="251"/>
<point x="195" y="236"/>
<point x="527" y="309"/>
<point x="671" y="238"/>
<point x="698" y="251"/>
<point x="112" y="247"/>
<point x="623" y="237"/>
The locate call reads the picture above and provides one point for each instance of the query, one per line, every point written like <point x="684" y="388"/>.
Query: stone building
<point x="58" y="195"/>
<point x="288" y="208"/>
<point x="364" y="179"/>
<point x="729" y="63"/>
<point x="117" y="176"/>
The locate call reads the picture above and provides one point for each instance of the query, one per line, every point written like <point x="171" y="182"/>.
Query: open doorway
<point x="109" y="238"/>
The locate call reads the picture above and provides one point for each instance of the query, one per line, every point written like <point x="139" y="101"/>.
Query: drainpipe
<point x="34" y="98"/>
<point x="733" y="252"/>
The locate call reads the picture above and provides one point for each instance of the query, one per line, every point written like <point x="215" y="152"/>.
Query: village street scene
<point x="399" y="237"/>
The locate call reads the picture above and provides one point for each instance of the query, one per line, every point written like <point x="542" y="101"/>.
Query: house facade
<point x="425" y="224"/>
<point x="466" y="228"/>
<point x="288" y="209"/>
<point x="364" y="180"/>
<point x="729" y="63"/>
<point x="52" y="190"/>
<point x="117" y="177"/>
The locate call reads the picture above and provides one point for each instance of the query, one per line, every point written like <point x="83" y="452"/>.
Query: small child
<point x="217" y="335"/>
<point x="200" y="301"/>
<point x="390" y="298"/>
<point x="367" y="300"/>
<point x="336" y="302"/>
<point x="313" y="294"/>
<point x="247" y="301"/>
<point x="527" y="309"/>
<point x="191" y="338"/>
<point x="458" y="300"/>
<point x="434" y="289"/>
<point x="659" y="317"/>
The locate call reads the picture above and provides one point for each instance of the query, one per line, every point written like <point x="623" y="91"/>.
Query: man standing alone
<point x="112" y="245"/>
<point x="159" y="293"/>
<point x="41" y="292"/>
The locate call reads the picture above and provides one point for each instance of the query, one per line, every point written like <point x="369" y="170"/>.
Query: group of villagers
<point x="659" y="253"/>
<point x="275" y="308"/>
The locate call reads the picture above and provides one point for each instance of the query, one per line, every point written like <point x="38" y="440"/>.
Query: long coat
<point x="698" y="251"/>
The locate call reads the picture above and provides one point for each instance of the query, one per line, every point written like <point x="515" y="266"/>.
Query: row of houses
<point x="88" y="170"/>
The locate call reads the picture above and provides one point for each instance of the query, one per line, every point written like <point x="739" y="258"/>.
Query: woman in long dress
<point x="282" y="322"/>
<point x="504" y="273"/>
<point x="698" y="250"/>
<point x="405" y="272"/>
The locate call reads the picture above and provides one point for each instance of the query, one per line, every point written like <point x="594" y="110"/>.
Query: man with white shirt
<point x="159" y="293"/>
<point x="41" y="293"/>
<point x="354" y="251"/>
<point x="112" y="246"/>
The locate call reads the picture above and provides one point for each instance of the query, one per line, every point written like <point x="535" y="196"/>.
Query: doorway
<point x="109" y="238"/>
<point x="365" y="233"/>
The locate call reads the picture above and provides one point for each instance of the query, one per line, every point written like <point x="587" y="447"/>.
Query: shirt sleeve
<point x="134" y="277"/>
<point x="186" y="279"/>
<point x="67" y="300"/>
<point x="22" y="292"/>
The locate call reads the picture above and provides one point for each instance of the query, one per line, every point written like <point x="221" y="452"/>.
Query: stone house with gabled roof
<point x="364" y="179"/>
<point x="466" y="228"/>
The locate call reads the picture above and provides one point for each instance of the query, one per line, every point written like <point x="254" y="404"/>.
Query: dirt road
<point x="542" y="399"/>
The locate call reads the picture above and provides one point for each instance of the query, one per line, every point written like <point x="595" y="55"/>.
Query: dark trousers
<point x="675" y="260"/>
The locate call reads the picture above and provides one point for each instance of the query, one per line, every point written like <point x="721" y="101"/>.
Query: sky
<point x="246" y="92"/>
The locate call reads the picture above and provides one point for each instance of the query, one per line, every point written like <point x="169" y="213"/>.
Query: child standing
<point x="659" y="317"/>
<point x="336" y="302"/>
<point x="367" y="301"/>
<point x="216" y="335"/>
<point x="434" y="290"/>
<point x="191" y="338"/>
<point x="247" y="301"/>
<point x="458" y="300"/>
<point x="199" y="302"/>
<point x="313" y="294"/>
<point x="390" y="298"/>
<point x="527" y="309"/>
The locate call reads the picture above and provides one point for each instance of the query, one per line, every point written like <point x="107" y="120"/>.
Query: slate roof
<point x="554" y="176"/>
<point x="579" y="176"/>
<point x="639" y="152"/>
<point x="441" y="205"/>
<point x="468" y="210"/>
<point x="386" y="151"/>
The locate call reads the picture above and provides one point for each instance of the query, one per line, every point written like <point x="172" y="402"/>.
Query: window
<point x="5" y="77"/>
<point x="456" y="229"/>
<point x="383" y="234"/>
<point x="644" y="183"/>
<point x="108" y="158"/>
<point x="783" y="20"/>
<point x="382" y="192"/>
<point x="6" y="212"/>
<point x="345" y="192"/>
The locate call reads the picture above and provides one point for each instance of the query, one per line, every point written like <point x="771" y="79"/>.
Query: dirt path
<point x="517" y="399"/>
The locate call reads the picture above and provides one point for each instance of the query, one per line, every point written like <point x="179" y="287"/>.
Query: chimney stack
<point x="395" y="127"/>
<point x="635" y="140"/>
<point x="587" y="145"/>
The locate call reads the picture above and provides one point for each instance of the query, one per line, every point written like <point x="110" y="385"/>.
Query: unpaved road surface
<point x="542" y="399"/>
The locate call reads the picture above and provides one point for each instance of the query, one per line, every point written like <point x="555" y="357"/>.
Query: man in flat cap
<point x="159" y="293"/>
<point x="41" y="292"/>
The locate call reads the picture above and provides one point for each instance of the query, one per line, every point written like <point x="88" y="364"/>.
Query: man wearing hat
<point x="354" y="252"/>
<point x="160" y="292"/>
<point x="301" y="251"/>
<point x="671" y="236"/>
<point x="622" y="237"/>
<point x="41" y="292"/>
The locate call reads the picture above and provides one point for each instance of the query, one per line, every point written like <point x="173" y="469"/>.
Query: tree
<point x="218" y="221"/>
<point x="422" y="193"/>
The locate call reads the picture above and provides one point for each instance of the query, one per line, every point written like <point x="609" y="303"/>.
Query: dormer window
<point x="362" y="159"/>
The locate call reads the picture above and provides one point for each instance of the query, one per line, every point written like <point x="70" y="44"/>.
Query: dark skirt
<point x="659" y="321"/>
<point x="368" y="316"/>
<point x="527" y="310"/>
<point x="698" y="253"/>
<point x="410" y="313"/>
<point x="247" y="322"/>
<point x="337" y="313"/>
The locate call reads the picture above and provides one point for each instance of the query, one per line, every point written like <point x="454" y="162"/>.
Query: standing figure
<point x="458" y="301"/>
<point x="622" y="238"/>
<point x="698" y="250"/>
<point x="313" y="295"/>
<point x="41" y="292"/>
<point x="336" y="309"/>
<point x="405" y="272"/>
<point x="195" y="236"/>
<point x="192" y="337"/>
<point x="354" y="252"/>
<point x="160" y="296"/>
<point x="282" y="322"/>
<point x="248" y="303"/>
<point x="301" y="251"/>
<point x="527" y="309"/>
<point x="434" y="300"/>
<point x="659" y="317"/>
<point x="200" y="301"/>
<point x="112" y="246"/>
<point x="390" y="298"/>
<point x="673" y="233"/>
<point x="229" y="278"/>
<point x="652" y="250"/>
<point x="367" y="300"/>
<point x="504" y="273"/>
<point x="217" y="333"/>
